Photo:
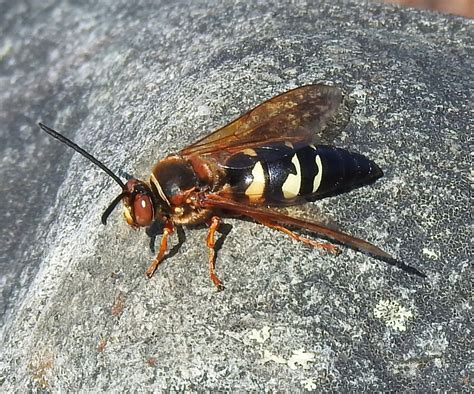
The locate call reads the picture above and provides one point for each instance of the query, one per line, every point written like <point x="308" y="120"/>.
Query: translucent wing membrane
<point x="293" y="117"/>
<point x="268" y="217"/>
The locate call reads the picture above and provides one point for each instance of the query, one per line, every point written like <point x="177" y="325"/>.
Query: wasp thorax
<point x="138" y="204"/>
<point x="172" y="179"/>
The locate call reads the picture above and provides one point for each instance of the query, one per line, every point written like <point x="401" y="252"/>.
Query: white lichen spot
<point x="438" y="363"/>
<point x="260" y="335"/>
<point x="152" y="86"/>
<point x="359" y="93"/>
<point x="203" y="110"/>
<point x="430" y="254"/>
<point x="5" y="49"/>
<point x="302" y="358"/>
<point x="393" y="314"/>
<point x="471" y="177"/>
<point x="267" y="357"/>
<point x="309" y="384"/>
<point x="128" y="114"/>
<point x="291" y="71"/>
<point x="435" y="343"/>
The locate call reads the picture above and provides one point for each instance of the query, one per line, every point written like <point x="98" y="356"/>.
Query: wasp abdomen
<point x="343" y="171"/>
<point x="281" y="174"/>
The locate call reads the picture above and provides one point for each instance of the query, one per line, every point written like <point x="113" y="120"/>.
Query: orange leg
<point x="212" y="253"/>
<point x="167" y="230"/>
<point x="318" y="245"/>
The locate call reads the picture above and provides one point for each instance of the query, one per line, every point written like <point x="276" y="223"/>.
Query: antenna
<point x="77" y="148"/>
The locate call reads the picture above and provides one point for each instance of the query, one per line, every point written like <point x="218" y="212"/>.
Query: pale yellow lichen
<point x="302" y="358"/>
<point x="393" y="314"/>
<point x="309" y="384"/>
<point x="260" y="336"/>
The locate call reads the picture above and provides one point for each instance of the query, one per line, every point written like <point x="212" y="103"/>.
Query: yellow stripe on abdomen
<point x="292" y="185"/>
<point x="257" y="187"/>
<point x="319" y="175"/>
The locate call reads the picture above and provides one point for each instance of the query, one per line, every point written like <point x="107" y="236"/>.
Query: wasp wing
<point x="268" y="216"/>
<point x="294" y="116"/>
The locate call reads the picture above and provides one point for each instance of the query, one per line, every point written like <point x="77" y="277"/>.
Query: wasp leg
<point x="318" y="245"/>
<point x="168" y="229"/>
<point x="152" y="231"/>
<point x="215" y="220"/>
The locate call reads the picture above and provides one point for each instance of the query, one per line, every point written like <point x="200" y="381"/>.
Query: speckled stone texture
<point x="135" y="82"/>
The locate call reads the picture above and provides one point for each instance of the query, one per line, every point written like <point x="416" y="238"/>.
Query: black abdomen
<point x="281" y="174"/>
<point x="344" y="171"/>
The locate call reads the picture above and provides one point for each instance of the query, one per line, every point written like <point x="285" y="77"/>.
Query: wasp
<point x="270" y="157"/>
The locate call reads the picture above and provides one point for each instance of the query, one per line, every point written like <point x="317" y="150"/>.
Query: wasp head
<point x="138" y="204"/>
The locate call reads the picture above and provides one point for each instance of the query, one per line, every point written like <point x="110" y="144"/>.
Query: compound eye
<point x="143" y="210"/>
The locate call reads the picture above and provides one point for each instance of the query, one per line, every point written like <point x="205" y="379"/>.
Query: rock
<point x="132" y="83"/>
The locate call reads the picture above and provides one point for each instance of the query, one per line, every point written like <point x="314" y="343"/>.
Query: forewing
<point x="294" y="116"/>
<point x="266" y="215"/>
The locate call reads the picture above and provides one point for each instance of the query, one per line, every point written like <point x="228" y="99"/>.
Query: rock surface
<point x="135" y="82"/>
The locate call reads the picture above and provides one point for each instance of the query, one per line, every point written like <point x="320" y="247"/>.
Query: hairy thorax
<point x="177" y="183"/>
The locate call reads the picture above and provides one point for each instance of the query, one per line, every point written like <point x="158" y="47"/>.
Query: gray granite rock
<point x="135" y="82"/>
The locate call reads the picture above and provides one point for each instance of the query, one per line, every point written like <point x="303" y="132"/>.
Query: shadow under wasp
<point x="269" y="157"/>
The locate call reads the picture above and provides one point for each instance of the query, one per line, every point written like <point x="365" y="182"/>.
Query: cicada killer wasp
<point x="269" y="157"/>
